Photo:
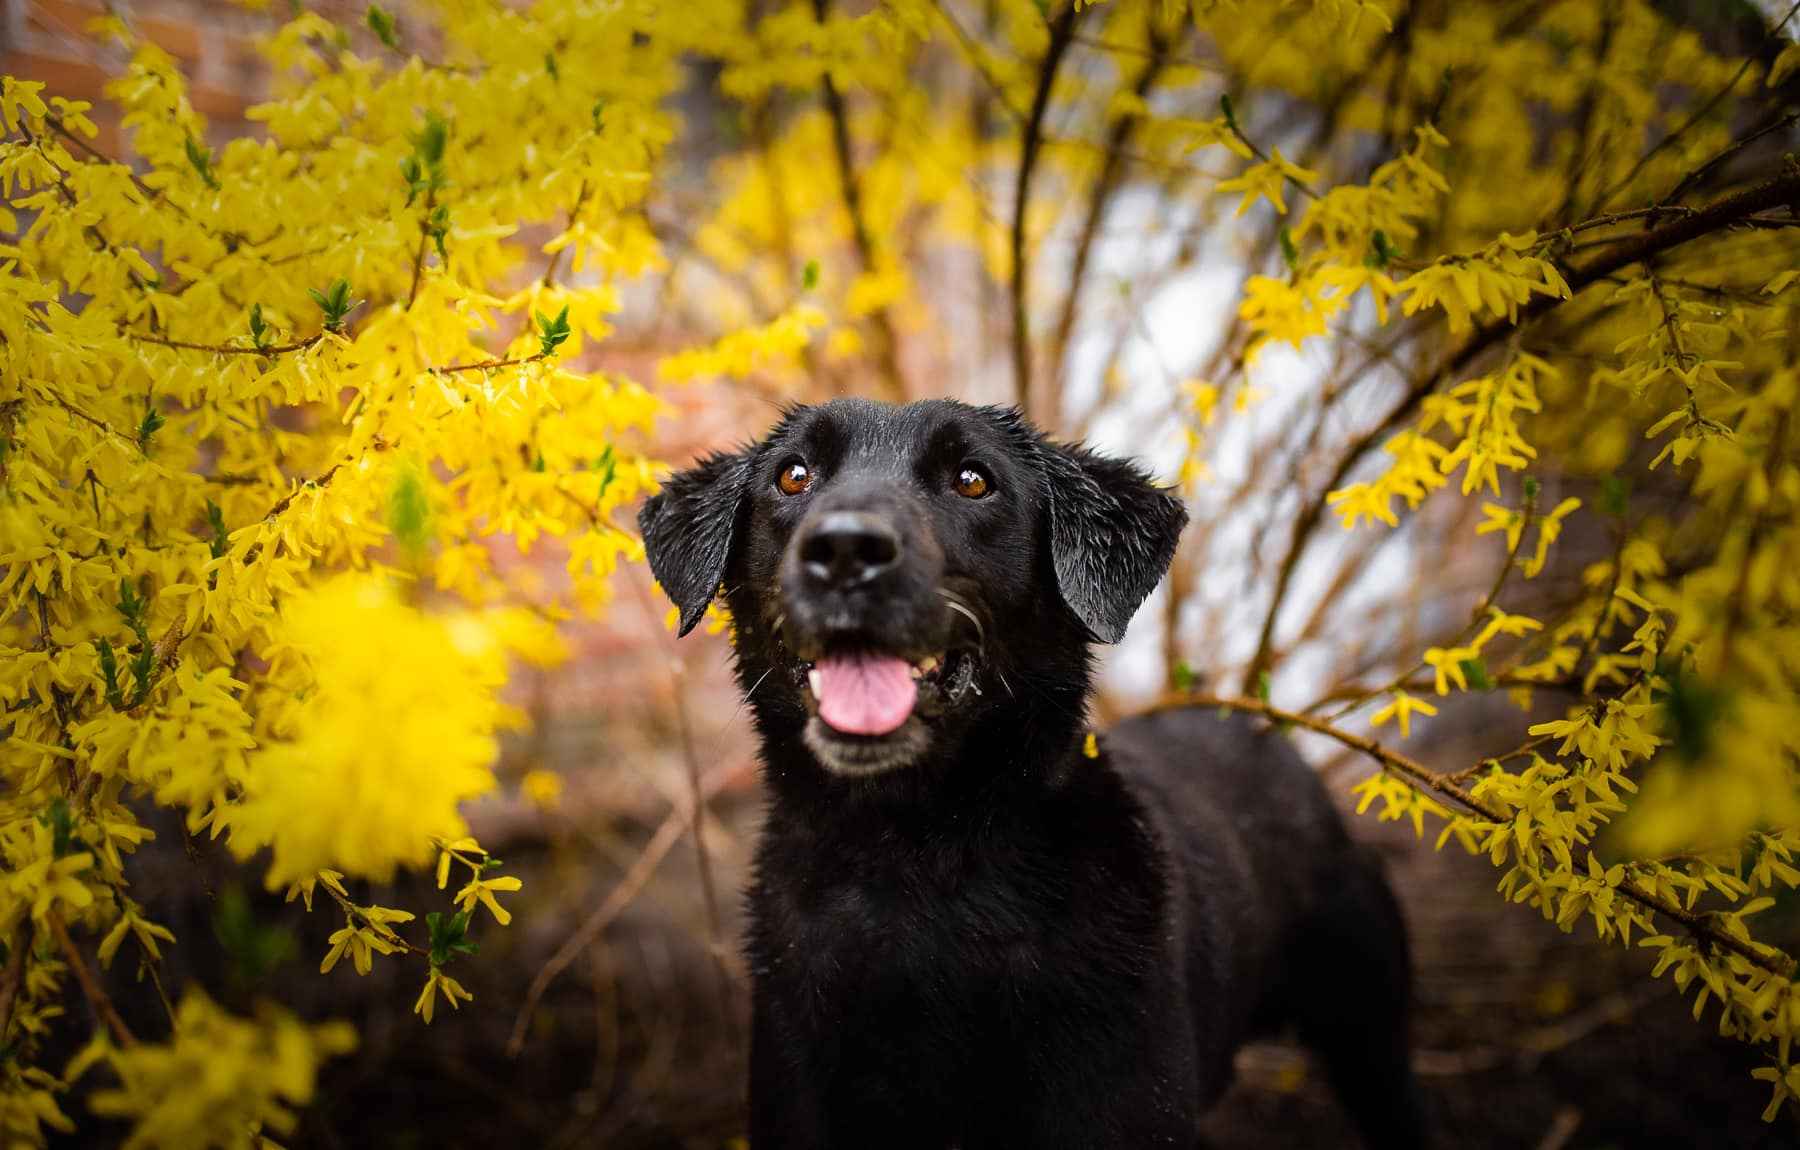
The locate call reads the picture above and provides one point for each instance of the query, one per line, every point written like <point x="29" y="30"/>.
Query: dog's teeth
<point x="812" y="680"/>
<point x="925" y="666"/>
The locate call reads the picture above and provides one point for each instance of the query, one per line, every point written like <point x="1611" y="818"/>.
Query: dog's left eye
<point x="971" y="483"/>
<point x="794" y="478"/>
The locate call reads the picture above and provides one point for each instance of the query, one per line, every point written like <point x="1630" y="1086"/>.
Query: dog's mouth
<point x="870" y="711"/>
<point x="871" y="694"/>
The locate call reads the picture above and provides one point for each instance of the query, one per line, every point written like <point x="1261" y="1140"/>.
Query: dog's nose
<point x="849" y="547"/>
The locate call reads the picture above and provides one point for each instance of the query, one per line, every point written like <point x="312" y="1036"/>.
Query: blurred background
<point x="1526" y="1036"/>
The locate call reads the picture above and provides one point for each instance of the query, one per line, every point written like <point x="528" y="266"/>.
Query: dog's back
<point x="1286" y="921"/>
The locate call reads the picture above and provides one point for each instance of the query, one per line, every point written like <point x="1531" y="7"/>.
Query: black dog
<point x="970" y="927"/>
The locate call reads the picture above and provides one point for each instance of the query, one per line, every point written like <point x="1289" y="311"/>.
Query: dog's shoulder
<point x="1231" y="789"/>
<point x="1219" y="756"/>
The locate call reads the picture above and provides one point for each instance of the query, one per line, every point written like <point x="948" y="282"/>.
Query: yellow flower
<point x="1204" y="398"/>
<point x="1348" y="279"/>
<point x="435" y="981"/>
<point x="774" y="346"/>
<point x="1213" y="133"/>
<point x="1549" y="527"/>
<point x="1485" y="413"/>
<point x="447" y="852"/>
<point x="1401" y="708"/>
<point x="1414" y="474"/>
<point x="146" y="932"/>
<point x="482" y="890"/>
<point x="1501" y="623"/>
<point x="1264" y="181"/>
<point x="396" y="729"/>
<point x="305" y="888"/>
<point x="46" y="882"/>
<point x="1502" y="518"/>
<point x="1447" y="662"/>
<point x="1292" y="313"/>
<point x="543" y="788"/>
<point x="1498" y="280"/>
<point x="360" y="943"/>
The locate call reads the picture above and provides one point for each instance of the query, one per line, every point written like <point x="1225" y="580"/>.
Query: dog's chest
<point x="987" y="939"/>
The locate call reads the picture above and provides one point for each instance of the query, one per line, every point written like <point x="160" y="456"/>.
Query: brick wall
<point x="213" y="39"/>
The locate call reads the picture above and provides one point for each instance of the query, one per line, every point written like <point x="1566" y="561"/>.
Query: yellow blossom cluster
<point x="222" y="1082"/>
<point x="274" y="411"/>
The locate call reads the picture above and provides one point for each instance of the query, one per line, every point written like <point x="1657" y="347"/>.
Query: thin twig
<point x="10" y="979"/>
<point x="489" y="364"/>
<point x="418" y="264"/>
<point x="550" y="269"/>
<point x="621" y="897"/>
<point x="1730" y="150"/>
<point x="90" y="986"/>
<point x="1699" y="114"/>
<point x="228" y="349"/>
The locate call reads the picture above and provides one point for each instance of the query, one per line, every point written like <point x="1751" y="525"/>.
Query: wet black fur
<point x="1006" y="943"/>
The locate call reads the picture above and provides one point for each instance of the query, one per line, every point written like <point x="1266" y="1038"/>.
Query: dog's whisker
<point x="957" y="605"/>
<point x="760" y="679"/>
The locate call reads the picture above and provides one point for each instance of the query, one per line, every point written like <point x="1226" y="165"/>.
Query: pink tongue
<point x="865" y="694"/>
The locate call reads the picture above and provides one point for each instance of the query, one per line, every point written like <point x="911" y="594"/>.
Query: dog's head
<point x="895" y="573"/>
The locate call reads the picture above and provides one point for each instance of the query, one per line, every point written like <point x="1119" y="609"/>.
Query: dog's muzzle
<point x="870" y="631"/>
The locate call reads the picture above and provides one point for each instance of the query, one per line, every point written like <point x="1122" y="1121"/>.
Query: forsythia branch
<point x="1768" y="958"/>
<point x="1721" y="213"/>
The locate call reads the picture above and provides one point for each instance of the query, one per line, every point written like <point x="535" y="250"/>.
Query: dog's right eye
<point x="794" y="478"/>
<point x="972" y="483"/>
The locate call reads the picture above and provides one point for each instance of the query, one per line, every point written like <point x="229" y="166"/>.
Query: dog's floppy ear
<point x="687" y="530"/>
<point x="1112" y="534"/>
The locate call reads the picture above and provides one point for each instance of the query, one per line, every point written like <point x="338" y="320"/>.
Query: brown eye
<point x="971" y="483"/>
<point x="795" y="478"/>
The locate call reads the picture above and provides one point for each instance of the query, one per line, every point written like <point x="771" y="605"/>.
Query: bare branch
<point x="1100" y="197"/>
<point x="628" y="888"/>
<point x="887" y="344"/>
<point x="1062" y="34"/>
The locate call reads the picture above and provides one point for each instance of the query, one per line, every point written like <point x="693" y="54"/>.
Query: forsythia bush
<point x="263" y="406"/>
